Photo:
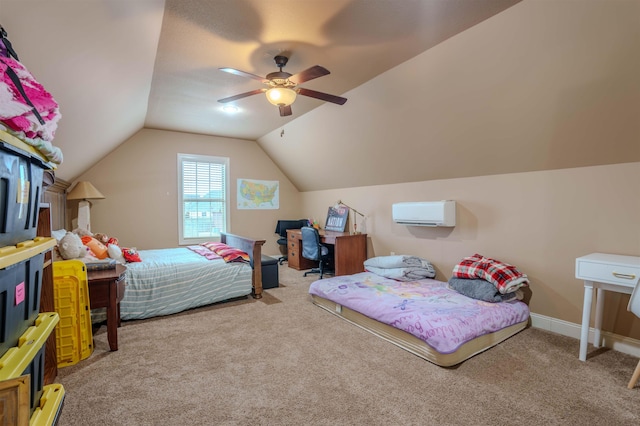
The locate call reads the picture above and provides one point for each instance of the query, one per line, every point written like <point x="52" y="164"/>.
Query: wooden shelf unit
<point x="46" y="295"/>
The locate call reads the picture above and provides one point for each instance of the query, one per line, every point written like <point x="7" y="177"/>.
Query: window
<point x="202" y="197"/>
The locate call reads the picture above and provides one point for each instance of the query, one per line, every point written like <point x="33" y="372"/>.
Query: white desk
<point x="603" y="272"/>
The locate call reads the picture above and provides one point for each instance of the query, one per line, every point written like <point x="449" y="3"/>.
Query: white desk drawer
<point x="623" y="270"/>
<point x="607" y="273"/>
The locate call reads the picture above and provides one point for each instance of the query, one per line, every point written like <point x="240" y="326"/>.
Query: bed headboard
<point x="55" y="195"/>
<point x="254" y="249"/>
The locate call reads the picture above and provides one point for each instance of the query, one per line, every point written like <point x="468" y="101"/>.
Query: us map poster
<point x="258" y="194"/>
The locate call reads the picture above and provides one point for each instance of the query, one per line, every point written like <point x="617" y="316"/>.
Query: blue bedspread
<point x="168" y="281"/>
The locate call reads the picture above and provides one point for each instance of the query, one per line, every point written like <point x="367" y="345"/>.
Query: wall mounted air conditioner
<point x="426" y="213"/>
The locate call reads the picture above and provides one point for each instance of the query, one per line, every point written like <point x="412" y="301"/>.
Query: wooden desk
<point x="604" y="272"/>
<point x="106" y="290"/>
<point x="350" y="251"/>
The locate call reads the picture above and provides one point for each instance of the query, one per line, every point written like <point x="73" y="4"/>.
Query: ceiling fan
<point x="283" y="87"/>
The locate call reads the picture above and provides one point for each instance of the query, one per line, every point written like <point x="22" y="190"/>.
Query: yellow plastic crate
<point x="46" y="414"/>
<point x="74" y="338"/>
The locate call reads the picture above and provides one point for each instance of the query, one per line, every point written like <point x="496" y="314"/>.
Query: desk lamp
<point x="355" y="218"/>
<point x="84" y="191"/>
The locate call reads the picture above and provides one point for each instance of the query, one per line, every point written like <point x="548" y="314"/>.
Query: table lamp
<point x="84" y="191"/>
<point x="355" y="220"/>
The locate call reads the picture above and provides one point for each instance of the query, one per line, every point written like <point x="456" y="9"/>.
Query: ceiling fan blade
<point x="322" y="96"/>
<point x="244" y="74"/>
<point x="309" y="74"/>
<point x="241" y="95"/>
<point x="285" y="110"/>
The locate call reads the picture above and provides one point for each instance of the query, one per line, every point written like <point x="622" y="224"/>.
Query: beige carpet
<point x="283" y="361"/>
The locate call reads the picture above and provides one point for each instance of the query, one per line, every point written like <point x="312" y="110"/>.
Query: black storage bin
<point x="269" y="272"/>
<point x="28" y="358"/>
<point x="20" y="190"/>
<point x="20" y="287"/>
<point x="36" y="370"/>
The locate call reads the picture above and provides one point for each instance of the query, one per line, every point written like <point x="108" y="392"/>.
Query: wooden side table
<point x="106" y="290"/>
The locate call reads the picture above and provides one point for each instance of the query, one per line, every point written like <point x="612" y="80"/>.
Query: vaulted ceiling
<point x="116" y="66"/>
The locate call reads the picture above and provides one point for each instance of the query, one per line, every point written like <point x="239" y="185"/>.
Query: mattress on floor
<point x="423" y="317"/>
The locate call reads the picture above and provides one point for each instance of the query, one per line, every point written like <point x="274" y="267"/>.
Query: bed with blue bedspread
<point x="168" y="281"/>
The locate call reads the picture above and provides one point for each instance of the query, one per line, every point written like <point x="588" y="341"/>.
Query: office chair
<point x="281" y="230"/>
<point x="312" y="249"/>
<point x="634" y="307"/>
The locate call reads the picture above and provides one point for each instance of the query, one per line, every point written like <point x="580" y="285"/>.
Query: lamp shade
<point x="281" y="96"/>
<point x="84" y="191"/>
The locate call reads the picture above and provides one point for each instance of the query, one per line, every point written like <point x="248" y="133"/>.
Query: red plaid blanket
<point x="505" y="277"/>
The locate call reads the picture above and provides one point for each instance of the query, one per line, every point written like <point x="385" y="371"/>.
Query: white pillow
<point x="115" y="252"/>
<point x="58" y="234"/>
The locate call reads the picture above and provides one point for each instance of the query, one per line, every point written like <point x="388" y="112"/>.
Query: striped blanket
<point x="168" y="281"/>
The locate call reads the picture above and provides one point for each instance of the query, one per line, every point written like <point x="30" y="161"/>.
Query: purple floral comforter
<point x="443" y="318"/>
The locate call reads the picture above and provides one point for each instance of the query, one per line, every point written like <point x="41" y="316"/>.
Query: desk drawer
<point x="294" y="254"/>
<point x="293" y="257"/>
<point x="607" y="273"/>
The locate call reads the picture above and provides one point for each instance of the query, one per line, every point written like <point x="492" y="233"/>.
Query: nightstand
<point x="106" y="290"/>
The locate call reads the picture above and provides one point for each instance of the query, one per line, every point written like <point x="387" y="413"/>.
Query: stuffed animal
<point x="82" y="232"/>
<point x="131" y="255"/>
<point x="103" y="238"/>
<point x="70" y="246"/>
<point x="115" y="252"/>
<point x="98" y="249"/>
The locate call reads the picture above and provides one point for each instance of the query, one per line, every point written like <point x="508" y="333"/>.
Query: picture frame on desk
<point x="337" y="219"/>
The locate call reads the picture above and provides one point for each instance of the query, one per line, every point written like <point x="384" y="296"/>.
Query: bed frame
<point x="55" y="195"/>
<point x="414" y="345"/>
<point x="254" y="249"/>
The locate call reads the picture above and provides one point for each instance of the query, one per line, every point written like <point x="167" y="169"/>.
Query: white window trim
<point x="203" y="158"/>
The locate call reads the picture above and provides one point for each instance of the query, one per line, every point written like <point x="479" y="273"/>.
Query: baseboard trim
<point x="613" y="341"/>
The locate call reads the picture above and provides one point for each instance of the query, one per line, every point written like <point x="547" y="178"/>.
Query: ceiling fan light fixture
<point x="230" y="109"/>
<point x="282" y="87"/>
<point x="281" y="96"/>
